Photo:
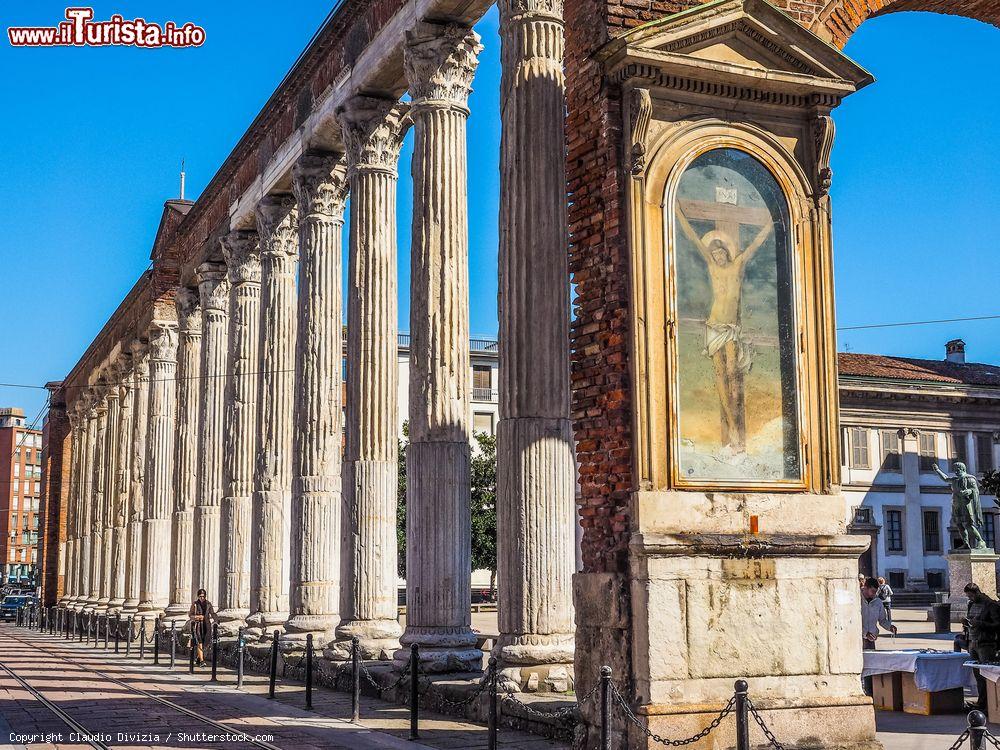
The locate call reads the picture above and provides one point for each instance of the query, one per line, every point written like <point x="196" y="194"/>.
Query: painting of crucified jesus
<point x="735" y="322"/>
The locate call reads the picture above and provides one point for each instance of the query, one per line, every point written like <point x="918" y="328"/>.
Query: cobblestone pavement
<point x="78" y="679"/>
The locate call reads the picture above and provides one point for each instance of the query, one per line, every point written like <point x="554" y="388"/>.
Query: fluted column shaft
<point x="185" y="452"/>
<point x="277" y="224"/>
<point x="136" y="497"/>
<point x="110" y="490"/>
<point x="373" y="131"/>
<point x="535" y="463"/>
<point x="320" y="183"/>
<point x="159" y="497"/>
<point x="97" y="504"/>
<point x="123" y="488"/>
<point x="440" y="62"/>
<point x="78" y="443"/>
<point x="242" y="249"/>
<point x="213" y="288"/>
<point x="87" y="508"/>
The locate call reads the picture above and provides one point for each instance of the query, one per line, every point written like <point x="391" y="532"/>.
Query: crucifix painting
<point x="735" y="322"/>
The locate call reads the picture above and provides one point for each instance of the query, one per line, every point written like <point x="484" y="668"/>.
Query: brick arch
<point x="839" y="19"/>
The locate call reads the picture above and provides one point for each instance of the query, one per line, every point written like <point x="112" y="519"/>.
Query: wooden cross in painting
<point x="731" y="352"/>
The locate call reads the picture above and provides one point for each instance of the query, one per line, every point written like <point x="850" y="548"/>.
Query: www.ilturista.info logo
<point x="81" y="30"/>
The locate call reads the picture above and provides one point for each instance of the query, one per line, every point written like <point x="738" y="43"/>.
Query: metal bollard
<point x="79" y="625"/>
<point x="309" y="671"/>
<point x="274" y="666"/>
<point x="742" y="716"/>
<point x="977" y="730"/>
<point x="355" y="679"/>
<point x="142" y="637"/>
<point x="191" y="652"/>
<point x="239" y="658"/>
<point x="107" y="624"/>
<point x="414" y="692"/>
<point x="492" y="742"/>
<point x="129" y="636"/>
<point x="215" y="651"/>
<point x="156" y="644"/>
<point x="173" y="643"/>
<point x="605" y="708"/>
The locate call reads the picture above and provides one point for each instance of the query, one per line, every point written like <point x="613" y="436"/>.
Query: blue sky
<point x="91" y="141"/>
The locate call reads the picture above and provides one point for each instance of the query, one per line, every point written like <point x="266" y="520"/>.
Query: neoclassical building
<point x="670" y="158"/>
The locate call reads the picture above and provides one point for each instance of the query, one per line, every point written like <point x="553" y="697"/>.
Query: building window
<point x="932" y="531"/>
<point x="990" y="530"/>
<point x="483" y="422"/>
<point x="894" y="531"/>
<point x="482" y="376"/>
<point x="17" y="470"/>
<point x="732" y="262"/>
<point x="935" y="580"/>
<point x="984" y="453"/>
<point x="891" y="458"/>
<point x="958" y="448"/>
<point x="897" y="579"/>
<point x="928" y="451"/>
<point x="857" y="439"/>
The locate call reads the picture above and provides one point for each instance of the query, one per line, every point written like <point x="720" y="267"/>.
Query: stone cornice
<point x="440" y="61"/>
<point x="278" y="225"/>
<point x="320" y="184"/>
<point x="241" y="249"/>
<point x="373" y="131"/>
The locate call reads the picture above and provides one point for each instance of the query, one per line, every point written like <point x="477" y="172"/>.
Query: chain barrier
<point x="620" y="700"/>
<point x="371" y="679"/>
<point x="484" y="683"/>
<point x="763" y="727"/>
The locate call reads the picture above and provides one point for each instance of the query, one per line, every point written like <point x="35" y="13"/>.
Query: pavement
<point x="115" y="699"/>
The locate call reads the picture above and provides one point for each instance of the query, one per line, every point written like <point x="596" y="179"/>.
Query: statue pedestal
<point x="965" y="567"/>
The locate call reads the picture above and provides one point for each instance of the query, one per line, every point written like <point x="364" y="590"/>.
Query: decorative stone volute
<point x="440" y="62"/>
<point x="373" y="131"/>
<point x="320" y="184"/>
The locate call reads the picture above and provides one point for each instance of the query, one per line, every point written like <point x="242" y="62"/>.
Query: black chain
<point x="772" y="741"/>
<point x="560" y="715"/>
<point x="663" y="740"/>
<point x="960" y="741"/>
<point x="484" y="683"/>
<point x="989" y="737"/>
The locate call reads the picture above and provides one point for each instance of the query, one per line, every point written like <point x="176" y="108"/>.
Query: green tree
<point x="991" y="483"/>
<point x="401" y="501"/>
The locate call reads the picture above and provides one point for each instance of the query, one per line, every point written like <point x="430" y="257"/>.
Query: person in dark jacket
<point x="202" y="614"/>
<point x="983" y="621"/>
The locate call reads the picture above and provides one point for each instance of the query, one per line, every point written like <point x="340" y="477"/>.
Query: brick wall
<point x="55" y="491"/>
<point x="841" y="18"/>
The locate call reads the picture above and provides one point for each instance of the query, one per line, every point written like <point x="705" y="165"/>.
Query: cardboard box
<point x="916" y="701"/>
<point x="887" y="691"/>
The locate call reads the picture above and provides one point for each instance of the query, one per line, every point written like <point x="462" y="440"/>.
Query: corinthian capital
<point x="440" y="62"/>
<point x="213" y="287"/>
<point x="140" y="360"/>
<point x="373" y="130"/>
<point x="242" y="251"/>
<point x="551" y="9"/>
<point x="163" y="342"/>
<point x="188" y="303"/>
<point x="278" y="226"/>
<point x="125" y="380"/>
<point x="320" y="184"/>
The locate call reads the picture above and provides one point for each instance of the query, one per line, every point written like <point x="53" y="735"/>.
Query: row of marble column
<point x="213" y="453"/>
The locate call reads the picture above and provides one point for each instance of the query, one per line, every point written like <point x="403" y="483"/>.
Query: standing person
<point x="202" y="613"/>
<point x="885" y="594"/>
<point x="984" y="627"/>
<point x="861" y="580"/>
<point x="872" y="615"/>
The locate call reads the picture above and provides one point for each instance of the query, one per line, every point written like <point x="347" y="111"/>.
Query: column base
<point x="299" y="627"/>
<point x="537" y="663"/>
<point x="130" y="607"/>
<point x="115" y="605"/>
<point x="176" y="613"/>
<point x="377" y="639"/>
<point x="443" y="650"/>
<point x="260" y="625"/>
<point x="230" y="621"/>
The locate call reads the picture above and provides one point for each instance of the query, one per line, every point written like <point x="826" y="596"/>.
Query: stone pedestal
<point x="965" y="567"/>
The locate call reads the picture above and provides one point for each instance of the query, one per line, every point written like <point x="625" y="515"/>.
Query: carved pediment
<point x="747" y="43"/>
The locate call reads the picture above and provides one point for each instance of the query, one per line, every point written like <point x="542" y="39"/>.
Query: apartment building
<point x="20" y="491"/>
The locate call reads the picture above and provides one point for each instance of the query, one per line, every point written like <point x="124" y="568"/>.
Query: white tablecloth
<point x="990" y="671"/>
<point x="931" y="671"/>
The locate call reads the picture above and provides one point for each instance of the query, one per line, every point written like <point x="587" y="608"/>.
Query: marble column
<point x="110" y="487"/>
<point x="373" y="132"/>
<point x="159" y="496"/>
<point x="97" y="502"/>
<point x="320" y="184"/>
<point x="136" y="497"/>
<point x="277" y="224"/>
<point x="440" y="62"/>
<point x="242" y="250"/>
<point x="213" y="287"/>
<point x="72" y="535"/>
<point x="123" y="483"/>
<point x="83" y="501"/>
<point x="185" y="453"/>
<point x="535" y="461"/>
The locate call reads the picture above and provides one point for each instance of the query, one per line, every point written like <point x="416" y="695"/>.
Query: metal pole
<point x="156" y="643"/>
<point x="107" y="624"/>
<point x="742" y="716"/>
<point x="414" y="692"/>
<point x="173" y="643"/>
<point x="239" y="658"/>
<point x="118" y="632"/>
<point x="977" y="730"/>
<point x="605" y="708"/>
<point x="142" y="637"/>
<point x="309" y="671"/>
<point x="129" y="636"/>
<point x="493" y="704"/>
<point x="191" y="652"/>
<point x="215" y="650"/>
<point x="355" y="679"/>
<point x="274" y="666"/>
